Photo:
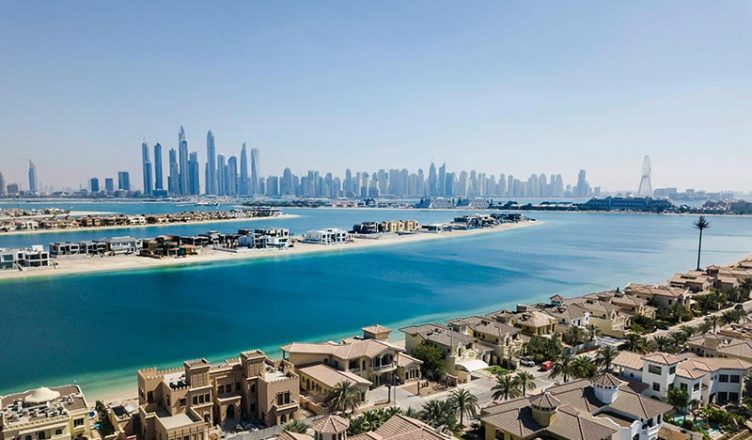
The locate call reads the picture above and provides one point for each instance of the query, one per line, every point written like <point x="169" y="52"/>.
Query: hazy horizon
<point x="499" y="87"/>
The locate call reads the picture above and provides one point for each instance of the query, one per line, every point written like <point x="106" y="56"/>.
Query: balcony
<point x="384" y="367"/>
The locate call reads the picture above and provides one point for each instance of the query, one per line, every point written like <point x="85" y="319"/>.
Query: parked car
<point x="546" y="365"/>
<point x="527" y="362"/>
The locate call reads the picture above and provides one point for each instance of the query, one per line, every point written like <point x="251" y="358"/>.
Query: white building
<point x="706" y="380"/>
<point x="326" y="236"/>
<point x="123" y="245"/>
<point x="24" y="258"/>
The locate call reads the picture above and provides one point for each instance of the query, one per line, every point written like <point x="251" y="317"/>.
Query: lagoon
<point x="97" y="329"/>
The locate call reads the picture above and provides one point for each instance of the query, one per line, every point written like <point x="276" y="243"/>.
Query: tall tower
<point x="146" y="166"/>
<point x="32" y="177"/>
<point x="158" y="181"/>
<point x="211" y="165"/>
<point x="243" y="190"/>
<point x="255" y="169"/>
<point x="183" y="162"/>
<point x="646" y="187"/>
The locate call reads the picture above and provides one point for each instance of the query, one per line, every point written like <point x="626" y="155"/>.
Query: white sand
<point x="89" y="264"/>
<point x="156" y="225"/>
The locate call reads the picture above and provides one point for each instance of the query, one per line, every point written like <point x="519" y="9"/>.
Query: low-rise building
<point x="398" y="427"/>
<point x="326" y="236"/>
<point x="706" y="380"/>
<point x="123" y="245"/>
<point x="532" y="322"/>
<point x="274" y="238"/>
<point x="660" y="295"/>
<point x="602" y="408"/>
<point x="59" y="413"/>
<point x="719" y="345"/>
<point x="186" y="401"/>
<point x="503" y="338"/>
<point x="32" y="257"/>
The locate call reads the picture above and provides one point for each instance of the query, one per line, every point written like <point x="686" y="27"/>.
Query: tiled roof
<point x="331" y="377"/>
<point x="629" y="360"/>
<point x="663" y="358"/>
<point x="486" y="325"/>
<point x="376" y="329"/>
<point x="606" y="380"/>
<point x="545" y="401"/>
<point x="400" y="427"/>
<point x="331" y="425"/>
<point x="404" y="360"/>
<point x="659" y="290"/>
<point x="439" y="334"/>
<point x="354" y="349"/>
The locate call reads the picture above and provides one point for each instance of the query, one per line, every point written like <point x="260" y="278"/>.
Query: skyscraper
<point x="194" y="179"/>
<point x="211" y="165"/>
<point x="220" y="175"/>
<point x="646" y="186"/>
<point x="109" y="185"/>
<point x="158" y="167"/>
<point x="583" y="187"/>
<point x="255" y="170"/>
<point x="173" y="181"/>
<point x="124" y="181"/>
<point x="146" y="166"/>
<point x="432" y="181"/>
<point x="183" y="161"/>
<point x="94" y="185"/>
<point x="231" y="175"/>
<point x="2" y="185"/>
<point x="443" y="180"/>
<point x="32" y="178"/>
<point x="244" y="183"/>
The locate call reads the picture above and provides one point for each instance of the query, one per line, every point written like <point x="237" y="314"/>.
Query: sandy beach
<point x="155" y="225"/>
<point x="90" y="264"/>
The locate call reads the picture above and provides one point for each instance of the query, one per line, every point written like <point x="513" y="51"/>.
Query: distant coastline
<point x="92" y="264"/>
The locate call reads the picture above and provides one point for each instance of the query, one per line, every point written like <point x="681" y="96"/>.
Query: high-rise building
<point x="109" y="185"/>
<point x="183" y="161"/>
<point x="583" y="187"/>
<point x="32" y="178"/>
<point x="255" y="170"/>
<point x="146" y="165"/>
<point x="433" y="188"/>
<point x="2" y="185"/>
<point x="443" y="180"/>
<point x="194" y="180"/>
<point x="124" y="181"/>
<point x="94" y="185"/>
<point x="220" y="173"/>
<point x="211" y="165"/>
<point x="244" y="183"/>
<point x="231" y="176"/>
<point x="158" y="181"/>
<point x="173" y="181"/>
<point x="646" y="186"/>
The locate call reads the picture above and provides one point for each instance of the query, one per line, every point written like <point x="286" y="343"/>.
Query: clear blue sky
<point x="501" y="86"/>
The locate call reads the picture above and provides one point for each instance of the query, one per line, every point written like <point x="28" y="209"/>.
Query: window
<point x="683" y="386"/>
<point x="734" y="397"/>
<point x="656" y="386"/>
<point x="734" y="378"/>
<point x="195" y="400"/>
<point x="237" y="386"/>
<point x="78" y="422"/>
<point x="672" y="370"/>
<point x="150" y="397"/>
<point x="181" y="402"/>
<point x="655" y="369"/>
<point x="253" y="388"/>
<point x="722" y="396"/>
<point x="723" y="378"/>
<point x="58" y="432"/>
<point x="670" y="386"/>
<point x="41" y="435"/>
<point x="221" y="389"/>
<point x="696" y="387"/>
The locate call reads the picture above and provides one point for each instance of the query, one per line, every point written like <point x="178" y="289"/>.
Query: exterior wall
<point x="664" y="379"/>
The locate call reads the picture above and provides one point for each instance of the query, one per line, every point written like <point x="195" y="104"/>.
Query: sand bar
<point x="152" y="225"/>
<point x="90" y="264"/>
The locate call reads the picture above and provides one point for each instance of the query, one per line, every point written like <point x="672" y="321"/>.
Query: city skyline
<point x="496" y="87"/>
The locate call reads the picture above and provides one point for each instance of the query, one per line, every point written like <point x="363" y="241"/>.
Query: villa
<point x="59" y="413"/>
<point x="707" y="380"/>
<point x="398" y="427"/>
<point x="326" y="236"/>
<point x="602" y="408"/>
<point x="504" y="338"/>
<point x="463" y="354"/>
<point x="717" y="345"/>
<point x="367" y="362"/>
<point x="660" y="295"/>
<point x="532" y="322"/>
<point x="32" y="257"/>
<point x="186" y="401"/>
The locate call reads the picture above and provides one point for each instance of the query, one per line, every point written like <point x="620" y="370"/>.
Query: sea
<point x="98" y="329"/>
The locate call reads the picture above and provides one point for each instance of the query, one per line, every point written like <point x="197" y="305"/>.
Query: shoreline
<point x="87" y="264"/>
<point x="153" y="225"/>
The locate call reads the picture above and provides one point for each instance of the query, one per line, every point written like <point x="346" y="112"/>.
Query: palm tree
<point x="688" y="330"/>
<point x="713" y="321"/>
<point x="701" y="224"/>
<point x="636" y="343"/>
<point x="526" y="381"/>
<point x="562" y="367"/>
<point x="343" y="397"/>
<point x="583" y="366"/>
<point x="575" y="335"/>
<point x="505" y="387"/>
<point x="592" y="331"/>
<point x="704" y="327"/>
<point x="465" y="403"/>
<point x="663" y="343"/>
<point x="439" y="414"/>
<point x="297" y="426"/>
<point x="606" y="355"/>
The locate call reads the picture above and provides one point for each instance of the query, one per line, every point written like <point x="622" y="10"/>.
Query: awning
<point x="471" y="365"/>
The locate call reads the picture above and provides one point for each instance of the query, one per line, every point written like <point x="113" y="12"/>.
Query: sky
<point x="512" y="87"/>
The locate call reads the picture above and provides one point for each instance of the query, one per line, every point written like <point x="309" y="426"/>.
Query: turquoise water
<point x="98" y="329"/>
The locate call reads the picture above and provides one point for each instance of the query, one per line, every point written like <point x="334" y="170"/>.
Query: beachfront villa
<point x="365" y="363"/>
<point x="719" y="345"/>
<point x="387" y="226"/>
<point x="59" y="413"/>
<point x="33" y="257"/>
<point x="532" y="322"/>
<point x="586" y="409"/>
<point x="706" y="380"/>
<point x="660" y="295"/>
<point x="180" y="402"/>
<point x="326" y="236"/>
